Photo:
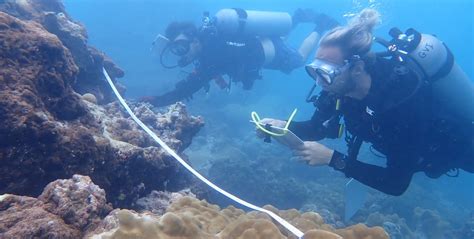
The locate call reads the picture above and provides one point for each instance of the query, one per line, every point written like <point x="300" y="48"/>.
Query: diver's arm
<point x="316" y="129"/>
<point x="312" y="130"/>
<point x="393" y="179"/>
<point x="184" y="89"/>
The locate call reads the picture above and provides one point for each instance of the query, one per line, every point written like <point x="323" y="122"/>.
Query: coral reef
<point x="76" y="208"/>
<point x="48" y="132"/>
<point x="329" y="217"/>
<point x="78" y="201"/>
<point x="361" y="231"/>
<point x="271" y="178"/>
<point x="395" y="226"/>
<point x="403" y="219"/>
<point x="259" y="176"/>
<point x="431" y="225"/>
<point x="89" y="98"/>
<point x="65" y="209"/>
<point x="322" y="191"/>
<point x="158" y="201"/>
<point x="53" y="17"/>
<point x="191" y="218"/>
<point x="467" y="231"/>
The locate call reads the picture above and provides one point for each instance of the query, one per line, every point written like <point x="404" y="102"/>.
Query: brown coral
<point x="209" y="216"/>
<point x="66" y="209"/>
<point x="361" y="231"/>
<point x="245" y="228"/>
<point x="48" y="132"/>
<point x="190" y="218"/>
<point x="52" y="16"/>
<point x="320" y="234"/>
<point x="78" y="201"/>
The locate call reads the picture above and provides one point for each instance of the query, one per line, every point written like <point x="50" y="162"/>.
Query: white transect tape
<point x="170" y="151"/>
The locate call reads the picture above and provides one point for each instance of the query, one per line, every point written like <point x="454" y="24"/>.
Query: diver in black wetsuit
<point x="421" y="123"/>
<point x="217" y="51"/>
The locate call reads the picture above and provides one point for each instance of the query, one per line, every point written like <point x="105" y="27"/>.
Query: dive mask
<point x="324" y="70"/>
<point x="171" y="53"/>
<point x="180" y="46"/>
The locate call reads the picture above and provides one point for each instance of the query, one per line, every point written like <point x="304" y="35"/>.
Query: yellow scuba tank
<point x="432" y="60"/>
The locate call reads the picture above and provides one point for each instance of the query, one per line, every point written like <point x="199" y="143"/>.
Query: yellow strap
<point x="338" y="104"/>
<point x="341" y="127"/>
<point x="341" y="130"/>
<point x="256" y="120"/>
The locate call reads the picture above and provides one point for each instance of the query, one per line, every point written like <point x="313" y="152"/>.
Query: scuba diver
<point x="237" y="43"/>
<point x="413" y="103"/>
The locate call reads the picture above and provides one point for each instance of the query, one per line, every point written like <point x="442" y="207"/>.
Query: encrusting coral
<point x="361" y="231"/>
<point x="77" y="208"/>
<point x="190" y="218"/>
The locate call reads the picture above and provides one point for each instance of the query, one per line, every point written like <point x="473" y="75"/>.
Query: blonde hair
<point x="355" y="38"/>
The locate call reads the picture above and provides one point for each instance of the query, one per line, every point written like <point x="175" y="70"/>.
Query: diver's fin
<point x="355" y="196"/>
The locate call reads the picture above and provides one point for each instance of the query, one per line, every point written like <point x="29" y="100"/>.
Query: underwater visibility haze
<point x="75" y="164"/>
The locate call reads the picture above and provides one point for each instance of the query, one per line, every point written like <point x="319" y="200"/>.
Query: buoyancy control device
<point x="432" y="61"/>
<point x="265" y="25"/>
<point x="435" y="65"/>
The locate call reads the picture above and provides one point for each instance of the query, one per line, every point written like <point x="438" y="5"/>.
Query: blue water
<point x="125" y="29"/>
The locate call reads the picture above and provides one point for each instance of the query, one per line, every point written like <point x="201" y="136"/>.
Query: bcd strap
<point x="242" y="19"/>
<point x="354" y="147"/>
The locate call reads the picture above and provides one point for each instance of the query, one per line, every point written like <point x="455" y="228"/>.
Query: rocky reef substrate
<point x="48" y="130"/>
<point x="51" y="17"/>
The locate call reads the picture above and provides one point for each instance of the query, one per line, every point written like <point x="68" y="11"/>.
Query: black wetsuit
<point x="406" y="125"/>
<point x="241" y="59"/>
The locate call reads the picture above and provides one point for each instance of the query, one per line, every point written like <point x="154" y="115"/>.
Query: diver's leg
<point x="323" y="23"/>
<point x="308" y="45"/>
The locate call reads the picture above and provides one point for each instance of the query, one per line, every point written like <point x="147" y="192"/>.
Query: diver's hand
<point x="324" y="23"/>
<point x="314" y="153"/>
<point x="273" y="122"/>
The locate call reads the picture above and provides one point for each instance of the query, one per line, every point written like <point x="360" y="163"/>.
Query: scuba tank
<point x="268" y="50"/>
<point x="434" y="63"/>
<point x="237" y="21"/>
<point x="264" y="25"/>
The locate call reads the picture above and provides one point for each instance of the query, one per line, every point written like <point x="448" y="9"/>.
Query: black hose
<point x="382" y="41"/>
<point x="161" y="59"/>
